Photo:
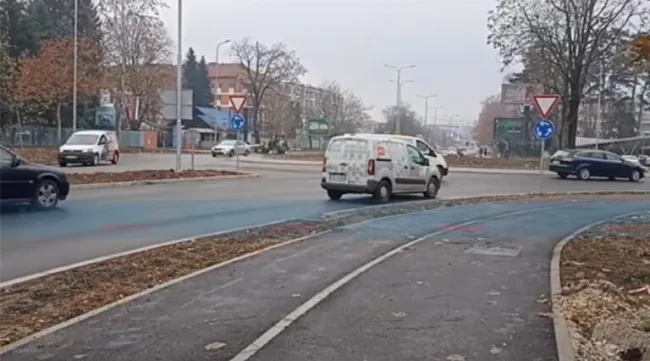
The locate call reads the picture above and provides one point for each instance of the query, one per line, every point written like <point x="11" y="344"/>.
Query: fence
<point x="47" y="137"/>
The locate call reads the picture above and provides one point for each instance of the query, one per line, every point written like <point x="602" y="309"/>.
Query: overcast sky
<point x="350" y="41"/>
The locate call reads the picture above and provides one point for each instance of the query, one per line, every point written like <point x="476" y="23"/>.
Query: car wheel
<point x="562" y="175"/>
<point x="383" y="191"/>
<point x="63" y="164"/>
<point x="116" y="158"/>
<point x="334" y="195"/>
<point x="231" y="153"/>
<point x="432" y="188"/>
<point x="246" y="153"/>
<point x="584" y="174"/>
<point x="214" y="155"/>
<point x="46" y="195"/>
<point x="635" y="176"/>
<point x="95" y="160"/>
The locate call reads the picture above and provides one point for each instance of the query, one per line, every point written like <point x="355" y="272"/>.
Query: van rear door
<point x="346" y="161"/>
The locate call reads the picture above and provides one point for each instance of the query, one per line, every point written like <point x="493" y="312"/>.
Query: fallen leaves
<point x="606" y="290"/>
<point x="35" y="305"/>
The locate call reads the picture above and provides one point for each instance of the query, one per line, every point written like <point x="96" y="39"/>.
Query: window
<point x="414" y="155"/>
<point x="5" y="156"/>
<point x="82" y="139"/>
<point x="102" y="140"/>
<point x="231" y="86"/>
<point x="424" y="148"/>
<point x="612" y="156"/>
<point x="592" y="155"/>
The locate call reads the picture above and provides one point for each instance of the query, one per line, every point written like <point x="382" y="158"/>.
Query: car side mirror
<point x="16" y="161"/>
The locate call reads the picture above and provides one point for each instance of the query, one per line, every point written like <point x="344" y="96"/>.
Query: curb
<point x="452" y="170"/>
<point x="162" y="181"/>
<point x="565" y="350"/>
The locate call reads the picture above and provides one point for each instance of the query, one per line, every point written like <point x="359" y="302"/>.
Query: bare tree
<point x="136" y="44"/>
<point x="279" y="113"/>
<point x="570" y="37"/>
<point x="266" y="67"/>
<point x="491" y="108"/>
<point x="342" y="107"/>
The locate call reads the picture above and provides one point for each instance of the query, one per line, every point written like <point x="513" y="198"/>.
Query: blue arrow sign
<point x="544" y="129"/>
<point x="237" y="122"/>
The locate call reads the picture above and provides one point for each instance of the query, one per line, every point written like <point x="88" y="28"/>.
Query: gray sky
<point x="350" y="41"/>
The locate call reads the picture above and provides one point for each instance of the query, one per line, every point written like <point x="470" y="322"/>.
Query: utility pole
<point x="74" y="68"/>
<point x="426" y="106"/>
<point x="179" y="86"/>
<point x="601" y="80"/>
<point x="399" y="83"/>
<point x="216" y="76"/>
<point x="435" y="114"/>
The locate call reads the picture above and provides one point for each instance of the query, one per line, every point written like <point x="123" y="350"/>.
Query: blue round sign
<point x="237" y="122"/>
<point x="544" y="129"/>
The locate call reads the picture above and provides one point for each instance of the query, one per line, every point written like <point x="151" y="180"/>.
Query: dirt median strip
<point x="144" y="175"/>
<point x="40" y="303"/>
<point x="605" y="277"/>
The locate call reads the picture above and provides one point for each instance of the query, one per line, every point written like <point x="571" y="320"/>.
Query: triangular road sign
<point x="237" y="102"/>
<point x="545" y="104"/>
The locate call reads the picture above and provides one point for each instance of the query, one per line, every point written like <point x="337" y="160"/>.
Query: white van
<point x="435" y="158"/>
<point x="379" y="166"/>
<point x="90" y="147"/>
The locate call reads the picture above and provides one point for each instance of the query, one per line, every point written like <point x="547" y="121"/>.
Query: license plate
<point x="71" y="157"/>
<point x="337" y="177"/>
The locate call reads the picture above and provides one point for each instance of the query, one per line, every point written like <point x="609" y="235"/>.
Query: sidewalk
<point x="452" y="169"/>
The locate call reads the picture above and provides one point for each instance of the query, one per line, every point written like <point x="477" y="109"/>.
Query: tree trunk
<point x="20" y="127"/>
<point x="256" y="131"/>
<point x="59" y="134"/>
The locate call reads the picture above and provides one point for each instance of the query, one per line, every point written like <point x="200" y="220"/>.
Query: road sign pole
<point x="237" y="155"/>
<point x="541" y="167"/>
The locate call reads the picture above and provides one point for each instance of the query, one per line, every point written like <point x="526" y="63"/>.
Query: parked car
<point x="378" y="166"/>
<point x="231" y="147"/>
<point x="90" y="147"/>
<point x="22" y="182"/>
<point x="587" y="163"/>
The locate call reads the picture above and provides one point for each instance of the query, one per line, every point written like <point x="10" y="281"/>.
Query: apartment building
<point x="227" y="79"/>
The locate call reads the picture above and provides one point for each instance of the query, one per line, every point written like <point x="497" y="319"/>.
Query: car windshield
<point x="228" y="142"/>
<point x="82" y="139"/>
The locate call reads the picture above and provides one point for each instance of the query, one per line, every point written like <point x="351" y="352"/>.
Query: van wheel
<point x="46" y="195"/>
<point x="95" y="160"/>
<point x="432" y="188"/>
<point x="383" y="191"/>
<point x="334" y="195"/>
<point x="116" y="158"/>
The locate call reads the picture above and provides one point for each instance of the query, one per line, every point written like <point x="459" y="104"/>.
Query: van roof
<point x="376" y="135"/>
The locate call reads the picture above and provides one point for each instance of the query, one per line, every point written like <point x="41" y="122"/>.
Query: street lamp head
<point x="409" y="66"/>
<point x="390" y="66"/>
<point x="226" y="41"/>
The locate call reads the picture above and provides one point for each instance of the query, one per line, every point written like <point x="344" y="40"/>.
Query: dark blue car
<point x="587" y="163"/>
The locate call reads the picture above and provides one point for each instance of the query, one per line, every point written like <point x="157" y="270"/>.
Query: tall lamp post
<point x="426" y="106"/>
<point x="179" y="85"/>
<point x="216" y="77"/>
<point x="398" y="100"/>
<point x="74" y="67"/>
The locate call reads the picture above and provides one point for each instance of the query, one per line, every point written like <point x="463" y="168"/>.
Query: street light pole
<point x="179" y="85"/>
<point x="435" y="114"/>
<point x="398" y="101"/>
<point x="426" y="106"/>
<point x="216" y="77"/>
<point x="74" y="67"/>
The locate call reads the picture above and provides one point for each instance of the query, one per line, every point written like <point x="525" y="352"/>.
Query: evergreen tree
<point x="195" y="77"/>
<point x="204" y="90"/>
<point x="15" y="28"/>
<point x="50" y="19"/>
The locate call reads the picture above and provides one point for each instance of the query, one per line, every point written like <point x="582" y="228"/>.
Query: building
<point x="232" y="80"/>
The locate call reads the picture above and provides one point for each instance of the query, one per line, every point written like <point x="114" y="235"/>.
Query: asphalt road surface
<point x="94" y="223"/>
<point x="466" y="293"/>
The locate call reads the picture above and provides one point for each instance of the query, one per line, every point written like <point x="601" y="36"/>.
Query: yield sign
<point x="237" y="102"/>
<point x="545" y="104"/>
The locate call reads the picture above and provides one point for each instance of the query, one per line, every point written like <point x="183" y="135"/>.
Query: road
<point x="94" y="223"/>
<point x="368" y="292"/>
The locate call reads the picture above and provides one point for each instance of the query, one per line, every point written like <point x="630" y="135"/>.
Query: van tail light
<point x="371" y="167"/>
<point x="324" y="165"/>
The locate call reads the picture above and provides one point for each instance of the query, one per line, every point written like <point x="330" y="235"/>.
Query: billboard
<point x="168" y="98"/>
<point x="518" y="94"/>
<point x="318" y="127"/>
<point x="508" y="128"/>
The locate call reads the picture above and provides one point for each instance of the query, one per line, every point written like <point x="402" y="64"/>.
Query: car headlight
<point x="87" y="150"/>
